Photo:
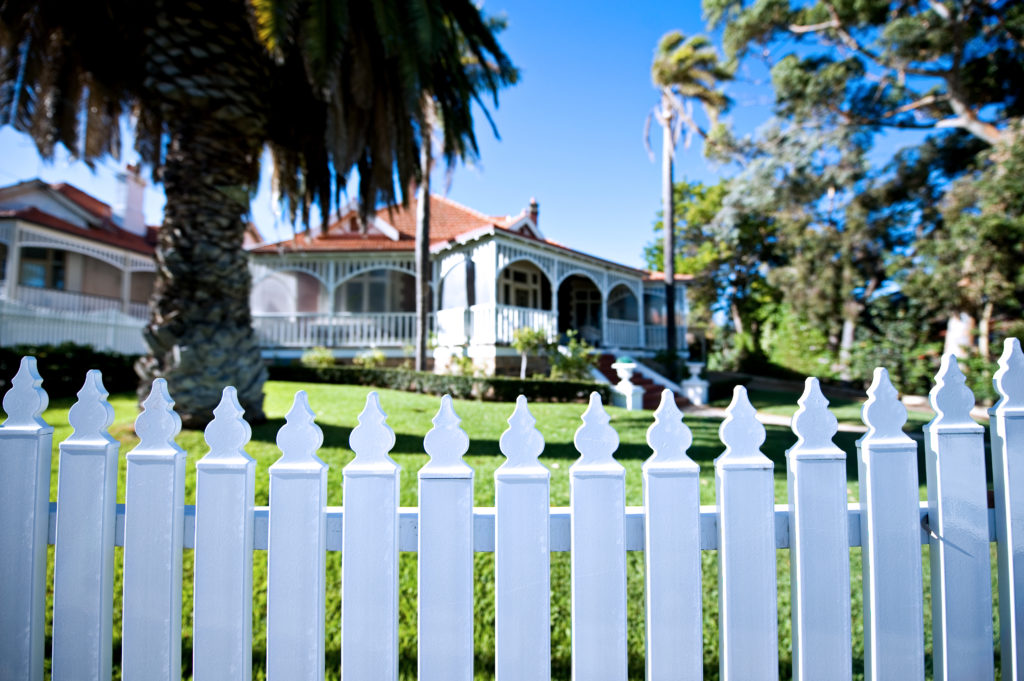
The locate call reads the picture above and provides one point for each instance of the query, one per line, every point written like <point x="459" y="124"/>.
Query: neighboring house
<point x="351" y="287"/>
<point x="73" y="268"/>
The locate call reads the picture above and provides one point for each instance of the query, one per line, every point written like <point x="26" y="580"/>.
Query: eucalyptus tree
<point x="330" y="87"/>
<point x="684" y="70"/>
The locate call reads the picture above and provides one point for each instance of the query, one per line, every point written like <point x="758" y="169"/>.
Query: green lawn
<point x="409" y="416"/>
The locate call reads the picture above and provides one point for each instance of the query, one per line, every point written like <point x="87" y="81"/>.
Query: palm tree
<point x="684" y="70"/>
<point x="328" y="85"/>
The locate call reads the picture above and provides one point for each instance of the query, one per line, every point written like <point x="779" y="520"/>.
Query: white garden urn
<point x="626" y="394"/>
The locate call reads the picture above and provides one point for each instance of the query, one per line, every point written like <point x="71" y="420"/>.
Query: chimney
<point x="127" y="209"/>
<point x="534" y="210"/>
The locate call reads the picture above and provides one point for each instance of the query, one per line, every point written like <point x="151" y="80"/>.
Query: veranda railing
<point x="297" y="529"/>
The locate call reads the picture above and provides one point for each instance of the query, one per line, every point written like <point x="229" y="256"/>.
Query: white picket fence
<point x="297" y="529"/>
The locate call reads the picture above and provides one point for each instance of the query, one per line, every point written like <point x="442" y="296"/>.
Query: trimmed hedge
<point x="493" y="388"/>
<point x="63" y="367"/>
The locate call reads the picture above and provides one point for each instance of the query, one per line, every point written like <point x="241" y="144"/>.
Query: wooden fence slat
<point x="445" y="650"/>
<point x="222" y="597"/>
<point x="675" y="642"/>
<point x="83" y="581"/>
<point x="744" y="487"/>
<point x="891" y="536"/>
<point x="297" y="551"/>
<point x="522" y="563"/>
<point x="153" y="528"/>
<point x="597" y="492"/>
<point x="369" y="568"/>
<point x="819" y="544"/>
<point x="1007" y="434"/>
<point x="25" y="446"/>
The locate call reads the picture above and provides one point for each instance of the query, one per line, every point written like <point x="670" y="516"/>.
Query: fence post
<point x="744" y="487"/>
<point x="675" y="643"/>
<point x="446" y="553"/>
<point x="522" y="562"/>
<point x="819" y="543"/>
<point x="222" y="599"/>
<point x="297" y="561"/>
<point x="25" y="453"/>
<point x="83" y="582"/>
<point x="369" y="568"/>
<point x="1007" y="433"/>
<point x="154" y="522"/>
<point x="597" y="489"/>
<point x="890" y="524"/>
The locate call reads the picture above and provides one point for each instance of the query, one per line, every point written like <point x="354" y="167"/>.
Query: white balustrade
<point x="890" y="533"/>
<point x="744" y="488"/>
<point x="675" y="639"/>
<point x="380" y="329"/>
<point x="445" y="651"/>
<point x="622" y="334"/>
<point x="521" y="553"/>
<point x="109" y="330"/>
<point x="369" y="568"/>
<point x="83" y="580"/>
<point x="819" y="544"/>
<point x="654" y="337"/>
<point x="222" y="597"/>
<point x="25" y="443"/>
<point x="597" y="489"/>
<point x="509" y="318"/>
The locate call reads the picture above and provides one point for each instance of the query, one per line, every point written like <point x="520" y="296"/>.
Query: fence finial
<point x="1008" y="380"/>
<point x="228" y="433"/>
<point x="91" y="415"/>
<point x="951" y="399"/>
<point x="813" y="424"/>
<point x="595" y="440"/>
<point x="299" y="437"/>
<point x="521" y="443"/>
<point x="883" y="413"/>
<point x="373" y="438"/>
<point x="158" y="424"/>
<point x="446" y="442"/>
<point x="741" y="432"/>
<point x="26" y="401"/>
<point x="668" y="436"/>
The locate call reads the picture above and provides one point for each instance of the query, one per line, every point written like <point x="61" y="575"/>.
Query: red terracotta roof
<point x="112" y="235"/>
<point x="83" y="200"/>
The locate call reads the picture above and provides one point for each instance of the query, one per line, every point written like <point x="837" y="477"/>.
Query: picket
<point x="369" y="569"/>
<point x="25" y="442"/>
<point x="1007" y="434"/>
<point x="597" y="491"/>
<point x="297" y="551"/>
<point x="445" y="645"/>
<point x="744" y="488"/>
<point x="83" y="580"/>
<point x="961" y="572"/>
<point x="819" y="544"/>
<point x="521" y="553"/>
<point x="672" y="546"/>
<point x="222" y="597"/>
<point x="154" y="523"/>
<point x="890" y="534"/>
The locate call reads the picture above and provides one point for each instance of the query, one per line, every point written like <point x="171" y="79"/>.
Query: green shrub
<point x="575" y="361"/>
<point x="63" y="367"/>
<point x="317" y="357"/>
<point x="369" y="359"/>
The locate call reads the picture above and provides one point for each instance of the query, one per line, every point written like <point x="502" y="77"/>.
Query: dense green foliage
<point x="63" y="367"/>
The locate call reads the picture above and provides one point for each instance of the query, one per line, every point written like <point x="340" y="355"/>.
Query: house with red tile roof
<point x="350" y="286"/>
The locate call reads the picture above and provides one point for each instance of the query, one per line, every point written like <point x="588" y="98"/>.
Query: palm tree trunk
<point x="667" y="152"/>
<point x="200" y="331"/>
<point x="423" y="254"/>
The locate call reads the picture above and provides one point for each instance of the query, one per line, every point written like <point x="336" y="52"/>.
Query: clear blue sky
<point x="571" y="130"/>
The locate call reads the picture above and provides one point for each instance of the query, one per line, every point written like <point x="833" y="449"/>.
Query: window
<point x="523" y="285"/>
<point x="42" y="268"/>
<point x="622" y="304"/>
<point x="379" y="290"/>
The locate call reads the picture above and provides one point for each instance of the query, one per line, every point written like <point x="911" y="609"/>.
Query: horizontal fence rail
<point x="296" y="531"/>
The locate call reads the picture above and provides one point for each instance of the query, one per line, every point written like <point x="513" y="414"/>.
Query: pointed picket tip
<point x="228" y="432"/>
<point x="1009" y="379"/>
<point x="521" y="443"/>
<point x="158" y="424"/>
<point x="26" y="401"/>
<point x="813" y="424"/>
<point x="951" y="399"/>
<point x="883" y="413"/>
<point x="91" y="415"/>
<point x="742" y="434"/>
<point x="595" y="440"/>
<point x="668" y="437"/>
<point x="446" y="443"/>
<point x="300" y="438"/>
<point x="373" y="438"/>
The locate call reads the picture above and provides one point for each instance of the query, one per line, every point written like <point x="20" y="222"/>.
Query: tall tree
<point x="329" y="86"/>
<point x="684" y="70"/>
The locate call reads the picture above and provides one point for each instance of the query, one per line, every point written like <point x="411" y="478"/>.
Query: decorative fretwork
<point x="567" y="269"/>
<point x="508" y="253"/>
<point x="126" y="262"/>
<point x="635" y="285"/>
